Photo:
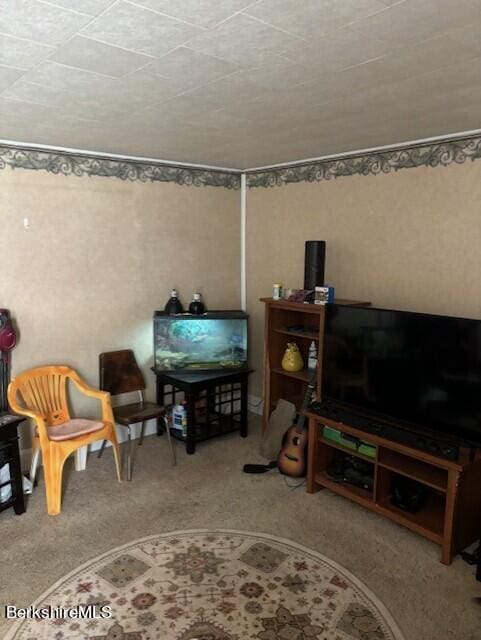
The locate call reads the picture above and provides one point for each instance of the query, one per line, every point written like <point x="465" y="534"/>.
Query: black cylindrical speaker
<point x="314" y="263"/>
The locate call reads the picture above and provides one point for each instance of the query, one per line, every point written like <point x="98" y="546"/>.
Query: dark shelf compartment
<point x="299" y="334"/>
<point x="422" y="472"/>
<point x="218" y="424"/>
<point x="429" y="520"/>
<point x="345" y="489"/>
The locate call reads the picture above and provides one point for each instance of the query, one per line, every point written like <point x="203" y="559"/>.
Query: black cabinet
<point x="9" y="454"/>
<point x="222" y="396"/>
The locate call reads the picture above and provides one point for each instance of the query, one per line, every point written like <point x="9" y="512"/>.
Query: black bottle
<point x="173" y="305"/>
<point x="196" y="307"/>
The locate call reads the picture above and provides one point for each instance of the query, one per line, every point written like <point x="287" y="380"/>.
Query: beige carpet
<point x="428" y="600"/>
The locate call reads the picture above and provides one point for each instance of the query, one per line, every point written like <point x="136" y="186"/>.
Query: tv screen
<point x="213" y="341"/>
<point x="424" y="370"/>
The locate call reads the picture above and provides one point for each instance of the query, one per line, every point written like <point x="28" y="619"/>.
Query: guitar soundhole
<point x="295" y="441"/>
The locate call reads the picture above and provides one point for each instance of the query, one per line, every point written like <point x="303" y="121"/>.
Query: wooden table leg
<point x="313" y="458"/>
<point x="191" y="430"/>
<point x="447" y="549"/>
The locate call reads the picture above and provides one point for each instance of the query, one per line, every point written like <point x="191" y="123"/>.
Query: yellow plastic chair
<point x="41" y="394"/>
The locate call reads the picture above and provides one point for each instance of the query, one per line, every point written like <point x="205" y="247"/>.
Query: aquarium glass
<point x="200" y="343"/>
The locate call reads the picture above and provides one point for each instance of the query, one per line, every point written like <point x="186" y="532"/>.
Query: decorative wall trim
<point x="67" y="164"/>
<point x="441" y="153"/>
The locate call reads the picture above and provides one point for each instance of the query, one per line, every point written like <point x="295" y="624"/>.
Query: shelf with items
<point x="285" y="322"/>
<point x="358" y="494"/>
<point x="427" y="518"/>
<point x="432" y="496"/>
<point x="340" y="447"/>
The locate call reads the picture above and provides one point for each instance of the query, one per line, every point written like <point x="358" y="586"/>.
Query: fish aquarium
<point x="213" y="341"/>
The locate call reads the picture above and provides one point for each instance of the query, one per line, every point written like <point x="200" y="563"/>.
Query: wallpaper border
<point x="442" y="153"/>
<point x="70" y="164"/>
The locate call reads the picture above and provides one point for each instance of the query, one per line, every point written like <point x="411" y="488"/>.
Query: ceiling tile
<point x="278" y="73"/>
<point x="315" y="17"/>
<point x="38" y="21"/>
<point x="233" y="89"/>
<point x="150" y="88"/>
<point x="339" y="49"/>
<point x="205" y="13"/>
<point x="92" y="55"/>
<point x="244" y="40"/>
<point x="92" y="7"/>
<point x="467" y="36"/>
<point x="411" y="21"/>
<point x="193" y="66"/>
<point x="21" y="53"/>
<point x="139" y="29"/>
<point x="8" y="75"/>
<point x="436" y="53"/>
<point x="36" y="93"/>
<point x="27" y="110"/>
<point x="68" y="78"/>
<point x="187" y="106"/>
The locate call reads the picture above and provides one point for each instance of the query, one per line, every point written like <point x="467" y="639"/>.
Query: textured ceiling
<point x="235" y="83"/>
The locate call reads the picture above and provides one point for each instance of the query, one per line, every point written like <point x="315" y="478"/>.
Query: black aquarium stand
<point x="9" y="454"/>
<point x="216" y="402"/>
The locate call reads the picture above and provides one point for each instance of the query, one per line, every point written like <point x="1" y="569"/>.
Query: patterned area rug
<point x="213" y="585"/>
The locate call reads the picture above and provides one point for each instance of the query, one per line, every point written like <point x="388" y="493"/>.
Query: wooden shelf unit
<point x="450" y="514"/>
<point x="279" y="315"/>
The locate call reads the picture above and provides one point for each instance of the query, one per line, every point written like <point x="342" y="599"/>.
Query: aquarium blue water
<point x="210" y="342"/>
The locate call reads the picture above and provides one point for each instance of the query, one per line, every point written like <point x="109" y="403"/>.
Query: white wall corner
<point x="243" y="227"/>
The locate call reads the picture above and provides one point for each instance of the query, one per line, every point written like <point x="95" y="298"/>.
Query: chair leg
<point x="102" y="447"/>
<point x="169" y="438"/>
<point x="129" y="454"/>
<point x="116" y="450"/>
<point x="34" y="465"/>
<point x="53" y="485"/>
<point x="142" y="430"/>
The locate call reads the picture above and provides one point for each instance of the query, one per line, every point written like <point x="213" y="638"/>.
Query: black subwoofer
<point x="315" y="258"/>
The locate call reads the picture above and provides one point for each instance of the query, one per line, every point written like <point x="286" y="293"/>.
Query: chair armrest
<point x="103" y="396"/>
<point x="28" y="413"/>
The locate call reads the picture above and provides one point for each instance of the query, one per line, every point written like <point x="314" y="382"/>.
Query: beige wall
<point x="101" y="255"/>
<point x="409" y="240"/>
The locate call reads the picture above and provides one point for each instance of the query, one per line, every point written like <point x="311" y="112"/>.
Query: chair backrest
<point x="119" y="372"/>
<point x="44" y="390"/>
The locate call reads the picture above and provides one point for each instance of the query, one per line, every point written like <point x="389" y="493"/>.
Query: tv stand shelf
<point x="450" y="513"/>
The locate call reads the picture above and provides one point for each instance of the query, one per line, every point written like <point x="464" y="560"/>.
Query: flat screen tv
<point x="213" y="341"/>
<point x="423" y="371"/>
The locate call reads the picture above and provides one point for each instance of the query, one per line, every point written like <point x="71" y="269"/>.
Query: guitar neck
<point x="305" y="403"/>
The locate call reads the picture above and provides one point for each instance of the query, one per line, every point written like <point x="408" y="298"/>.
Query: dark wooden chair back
<point x="119" y="372"/>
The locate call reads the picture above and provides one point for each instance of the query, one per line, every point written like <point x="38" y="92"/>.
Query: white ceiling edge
<point x="112" y="156"/>
<point x="369" y="150"/>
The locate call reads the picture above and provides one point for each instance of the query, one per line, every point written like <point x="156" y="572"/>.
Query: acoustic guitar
<point x="292" y="457"/>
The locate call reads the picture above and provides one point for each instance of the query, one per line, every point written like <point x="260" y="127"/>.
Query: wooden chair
<point x="119" y="373"/>
<point x="41" y="394"/>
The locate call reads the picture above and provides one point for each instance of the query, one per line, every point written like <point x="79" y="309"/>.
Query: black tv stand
<point x="419" y="439"/>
